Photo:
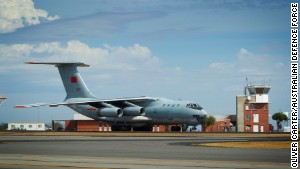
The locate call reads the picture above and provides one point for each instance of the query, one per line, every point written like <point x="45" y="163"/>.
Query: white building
<point x="78" y="116"/>
<point x="34" y="126"/>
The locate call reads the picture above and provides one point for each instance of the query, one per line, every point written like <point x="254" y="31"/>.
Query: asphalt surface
<point x="135" y="152"/>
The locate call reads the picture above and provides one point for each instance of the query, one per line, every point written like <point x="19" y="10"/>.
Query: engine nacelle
<point x="134" y="111"/>
<point x="110" y="112"/>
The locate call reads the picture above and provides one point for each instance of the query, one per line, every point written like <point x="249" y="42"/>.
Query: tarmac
<point x="122" y="152"/>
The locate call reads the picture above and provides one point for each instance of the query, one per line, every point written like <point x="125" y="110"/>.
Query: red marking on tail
<point x="73" y="79"/>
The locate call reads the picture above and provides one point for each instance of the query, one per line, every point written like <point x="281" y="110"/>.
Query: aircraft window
<point x="164" y="105"/>
<point x="177" y="105"/>
<point x="173" y="105"/>
<point x="168" y="105"/>
<point x="194" y="105"/>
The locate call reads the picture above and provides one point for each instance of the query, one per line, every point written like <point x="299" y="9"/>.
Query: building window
<point x="251" y="107"/>
<point x="255" y="118"/>
<point x="265" y="107"/>
<point x="248" y="117"/>
<point x="247" y="107"/>
<point x="248" y="127"/>
<point x="254" y="106"/>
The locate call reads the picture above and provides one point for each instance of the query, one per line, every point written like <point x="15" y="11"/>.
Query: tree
<point x="57" y="126"/>
<point x="3" y="126"/>
<point x="208" y="121"/>
<point x="279" y="117"/>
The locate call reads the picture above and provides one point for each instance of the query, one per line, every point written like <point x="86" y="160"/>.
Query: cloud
<point x="95" y="25"/>
<point x="15" y="14"/>
<point x="133" y="57"/>
<point x="249" y="63"/>
<point x="221" y="66"/>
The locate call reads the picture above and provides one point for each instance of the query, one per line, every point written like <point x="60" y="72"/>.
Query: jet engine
<point x="110" y="112"/>
<point x="134" y="111"/>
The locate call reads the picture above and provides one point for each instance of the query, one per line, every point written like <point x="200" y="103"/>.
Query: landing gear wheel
<point x="143" y="128"/>
<point x="120" y="128"/>
<point x="176" y="128"/>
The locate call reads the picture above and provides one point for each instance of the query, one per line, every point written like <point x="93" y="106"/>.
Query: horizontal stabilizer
<point x="58" y="64"/>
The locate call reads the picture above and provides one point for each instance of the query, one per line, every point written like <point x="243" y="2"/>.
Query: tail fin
<point x="73" y="83"/>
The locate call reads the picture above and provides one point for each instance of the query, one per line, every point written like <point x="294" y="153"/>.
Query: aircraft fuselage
<point x="157" y="111"/>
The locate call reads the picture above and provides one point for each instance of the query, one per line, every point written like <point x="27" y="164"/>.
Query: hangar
<point x="83" y="123"/>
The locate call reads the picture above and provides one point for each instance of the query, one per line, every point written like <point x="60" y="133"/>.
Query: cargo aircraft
<point x="123" y="114"/>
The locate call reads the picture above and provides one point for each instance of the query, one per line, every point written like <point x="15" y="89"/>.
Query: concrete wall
<point x="240" y="101"/>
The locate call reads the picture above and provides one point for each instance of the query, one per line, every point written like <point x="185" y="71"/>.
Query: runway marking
<point x="53" y="152"/>
<point x="249" y="144"/>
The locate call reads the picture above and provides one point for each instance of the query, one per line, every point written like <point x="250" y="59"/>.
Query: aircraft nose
<point x="204" y="113"/>
<point x="200" y="115"/>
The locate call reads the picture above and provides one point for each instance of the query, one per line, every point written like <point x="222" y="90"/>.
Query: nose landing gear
<point x="199" y="118"/>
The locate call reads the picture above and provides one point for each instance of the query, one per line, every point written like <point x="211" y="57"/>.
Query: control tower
<point x="252" y="109"/>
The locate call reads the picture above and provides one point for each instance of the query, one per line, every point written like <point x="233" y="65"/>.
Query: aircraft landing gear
<point x="120" y="128"/>
<point x="175" y="128"/>
<point x="143" y="128"/>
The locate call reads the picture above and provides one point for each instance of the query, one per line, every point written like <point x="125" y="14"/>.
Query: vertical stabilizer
<point x="73" y="83"/>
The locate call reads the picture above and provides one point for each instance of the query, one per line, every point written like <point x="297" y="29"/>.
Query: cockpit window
<point x="194" y="105"/>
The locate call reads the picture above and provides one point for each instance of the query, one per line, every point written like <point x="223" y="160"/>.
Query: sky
<point x="201" y="51"/>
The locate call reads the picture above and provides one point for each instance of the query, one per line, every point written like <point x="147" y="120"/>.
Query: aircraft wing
<point x="88" y="101"/>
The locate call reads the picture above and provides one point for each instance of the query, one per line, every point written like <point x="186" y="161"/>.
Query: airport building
<point x="83" y="123"/>
<point x="252" y="109"/>
<point x="223" y="124"/>
<point x="34" y="126"/>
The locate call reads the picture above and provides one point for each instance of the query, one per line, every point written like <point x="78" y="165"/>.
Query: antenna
<point x="2" y="99"/>
<point x="248" y="98"/>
